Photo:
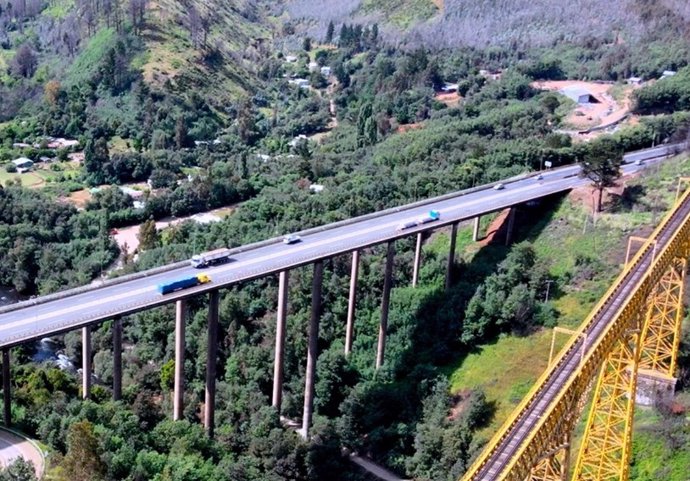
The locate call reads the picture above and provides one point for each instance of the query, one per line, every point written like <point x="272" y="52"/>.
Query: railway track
<point x="506" y="449"/>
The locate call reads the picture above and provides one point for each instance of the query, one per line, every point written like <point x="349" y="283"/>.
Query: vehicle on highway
<point x="210" y="258"/>
<point x="430" y="217"/>
<point x="540" y="177"/>
<point x="291" y="239"/>
<point x="499" y="186"/>
<point x="639" y="162"/>
<point x="185" y="283"/>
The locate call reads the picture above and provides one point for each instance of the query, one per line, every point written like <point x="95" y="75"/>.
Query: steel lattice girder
<point x="663" y="323"/>
<point x="537" y="442"/>
<point x="605" y="447"/>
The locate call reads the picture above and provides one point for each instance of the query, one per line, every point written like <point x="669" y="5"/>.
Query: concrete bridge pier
<point x="180" y="343"/>
<point x="451" y="255"/>
<point x="212" y="353"/>
<point x="385" y="302"/>
<point x="117" y="359"/>
<point x="6" y="394"/>
<point x="417" y="259"/>
<point x="352" y="304"/>
<point x="86" y="362"/>
<point x="312" y="349"/>
<point x="475" y="229"/>
<point x="511" y="225"/>
<point x="283" y="279"/>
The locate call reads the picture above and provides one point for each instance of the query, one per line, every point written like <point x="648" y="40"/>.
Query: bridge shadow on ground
<point x="429" y="322"/>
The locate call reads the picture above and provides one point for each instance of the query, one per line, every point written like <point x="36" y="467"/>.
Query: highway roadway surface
<point x="13" y="446"/>
<point x="43" y="319"/>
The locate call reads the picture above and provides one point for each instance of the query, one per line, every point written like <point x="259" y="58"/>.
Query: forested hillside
<point x="122" y="113"/>
<point x="592" y="40"/>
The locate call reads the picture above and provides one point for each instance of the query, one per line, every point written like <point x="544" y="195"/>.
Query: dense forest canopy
<point x="250" y="105"/>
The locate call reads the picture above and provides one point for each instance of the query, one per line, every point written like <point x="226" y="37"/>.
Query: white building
<point x="578" y="94"/>
<point x="326" y="71"/>
<point x="23" y="164"/>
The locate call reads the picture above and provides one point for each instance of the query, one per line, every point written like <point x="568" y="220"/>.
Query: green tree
<point x="83" y="461"/>
<point x="329" y="32"/>
<point x="601" y="163"/>
<point x="18" y="470"/>
<point x="149" y="237"/>
<point x="96" y="156"/>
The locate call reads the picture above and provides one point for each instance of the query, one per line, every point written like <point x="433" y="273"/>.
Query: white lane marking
<point x="256" y="260"/>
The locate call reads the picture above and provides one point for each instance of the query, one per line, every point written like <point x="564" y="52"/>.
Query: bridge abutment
<point x="312" y="349"/>
<point x="352" y="304"/>
<point x="180" y="343"/>
<point x="212" y="352"/>
<point x="277" y="400"/>
<point x="654" y="388"/>
<point x="385" y="303"/>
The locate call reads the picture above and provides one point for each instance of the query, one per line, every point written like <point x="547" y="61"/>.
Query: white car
<point x="540" y="177"/>
<point x="291" y="239"/>
<point x="499" y="187"/>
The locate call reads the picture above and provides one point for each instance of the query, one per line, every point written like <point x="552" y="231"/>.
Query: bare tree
<point x="25" y="61"/>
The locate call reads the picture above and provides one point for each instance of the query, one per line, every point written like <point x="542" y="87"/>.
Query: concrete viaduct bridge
<point x="86" y="306"/>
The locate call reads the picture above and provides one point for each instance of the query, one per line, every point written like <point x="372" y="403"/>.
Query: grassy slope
<point x="402" y="13"/>
<point x="508" y="367"/>
<point x="169" y="54"/>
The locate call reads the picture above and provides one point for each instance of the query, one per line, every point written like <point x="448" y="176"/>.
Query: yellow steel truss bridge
<point x="633" y="332"/>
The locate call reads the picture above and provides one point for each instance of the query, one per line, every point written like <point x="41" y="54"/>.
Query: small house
<point x="23" y="164"/>
<point x="133" y="193"/>
<point x="291" y="58"/>
<point x="449" y="88"/>
<point x="634" y="81"/>
<point x="326" y="71"/>
<point x="316" y="188"/>
<point x="579" y="95"/>
<point x="313" y="66"/>
<point x="667" y="73"/>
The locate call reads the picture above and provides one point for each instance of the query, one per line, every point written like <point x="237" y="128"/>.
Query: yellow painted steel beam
<point x="625" y="323"/>
<point x="663" y="323"/>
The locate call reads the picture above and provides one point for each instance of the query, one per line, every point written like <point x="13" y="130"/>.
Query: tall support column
<point x="387" y="284"/>
<point x="180" y="343"/>
<point x="312" y="350"/>
<point x="352" y="304"/>
<point x="451" y="255"/>
<point x="6" y="394"/>
<point x="86" y="362"/>
<point x="117" y="358"/>
<point x="511" y="225"/>
<point x="417" y="260"/>
<point x="283" y="279"/>
<point x="212" y="350"/>
<point x="475" y="229"/>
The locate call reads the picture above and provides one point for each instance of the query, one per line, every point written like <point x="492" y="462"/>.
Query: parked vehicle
<point x="432" y="216"/>
<point x="218" y="256"/>
<point x="185" y="283"/>
<point x="291" y="239"/>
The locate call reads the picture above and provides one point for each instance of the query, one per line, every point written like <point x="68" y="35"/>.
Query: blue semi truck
<point x="185" y="283"/>
<point x="432" y="216"/>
